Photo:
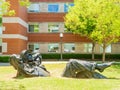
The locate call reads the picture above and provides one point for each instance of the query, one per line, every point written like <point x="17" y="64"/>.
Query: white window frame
<point x="69" y="47"/>
<point x="34" y="31"/>
<point x="88" y="47"/>
<point x="53" y="27"/>
<point x="108" y="49"/>
<point x="34" y="7"/>
<point x="54" y="46"/>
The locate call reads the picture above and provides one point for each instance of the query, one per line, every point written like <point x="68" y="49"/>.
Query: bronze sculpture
<point x="84" y="69"/>
<point x="28" y="64"/>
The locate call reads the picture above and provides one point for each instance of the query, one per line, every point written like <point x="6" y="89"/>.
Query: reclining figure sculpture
<point x="84" y="69"/>
<point x="28" y="64"/>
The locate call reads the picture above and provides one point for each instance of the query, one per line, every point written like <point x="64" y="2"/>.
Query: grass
<point x="56" y="82"/>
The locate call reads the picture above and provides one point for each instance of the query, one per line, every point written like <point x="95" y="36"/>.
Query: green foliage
<point x="51" y="56"/>
<point x="5" y="8"/>
<point x="4" y="58"/>
<point x="77" y="56"/>
<point x="67" y="56"/>
<point x="96" y="19"/>
<point x="80" y="18"/>
<point x="107" y="28"/>
<point x="99" y="20"/>
<point x="80" y="56"/>
<point x="24" y="3"/>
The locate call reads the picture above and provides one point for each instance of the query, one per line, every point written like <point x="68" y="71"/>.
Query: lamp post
<point x="61" y="36"/>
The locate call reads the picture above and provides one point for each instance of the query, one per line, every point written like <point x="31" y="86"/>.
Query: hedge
<point x="56" y="56"/>
<point x="4" y="58"/>
<point x="80" y="56"/>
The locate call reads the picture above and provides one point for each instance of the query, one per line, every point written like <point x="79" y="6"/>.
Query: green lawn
<point x="56" y="82"/>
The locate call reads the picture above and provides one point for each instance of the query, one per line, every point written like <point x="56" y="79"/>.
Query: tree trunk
<point x="93" y="51"/>
<point x="103" y="57"/>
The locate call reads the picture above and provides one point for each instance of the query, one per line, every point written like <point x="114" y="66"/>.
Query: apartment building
<point x="39" y="27"/>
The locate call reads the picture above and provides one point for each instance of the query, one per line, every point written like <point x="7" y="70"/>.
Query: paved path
<point x="44" y="62"/>
<point x="4" y="64"/>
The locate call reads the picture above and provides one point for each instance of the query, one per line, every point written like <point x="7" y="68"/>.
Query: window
<point x="69" y="47"/>
<point x="53" y="7"/>
<point x="66" y="7"/>
<point x="107" y="50"/>
<point x="34" y="46"/>
<point x="34" y="28"/>
<point x="34" y="7"/>
<point x="53" y="28"/>
<point x="88" y="48"/>
<point x="53" y="47"/>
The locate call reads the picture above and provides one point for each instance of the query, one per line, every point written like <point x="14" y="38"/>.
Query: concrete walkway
<point x="4" y="64"/>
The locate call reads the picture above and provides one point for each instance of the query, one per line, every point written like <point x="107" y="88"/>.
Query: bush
<point x="113" y="56"/>
<point x="80" y="56"/>
<point x="56" y="56"/>
<point x="77" y="56"/>
<point x="51" y="56"/>
<point x="4" y="58"/>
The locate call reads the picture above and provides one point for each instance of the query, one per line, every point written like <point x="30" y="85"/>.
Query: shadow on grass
<point x="22" y="77"/>
<point x="112" y="78"/>
<point x="18" y="77"/>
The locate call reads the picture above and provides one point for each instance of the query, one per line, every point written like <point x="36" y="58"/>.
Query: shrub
<point x="51" y="56"/>
<point x="56" y="56"/>
<point x="4" y="58"/>
<point x="80" y="56"/>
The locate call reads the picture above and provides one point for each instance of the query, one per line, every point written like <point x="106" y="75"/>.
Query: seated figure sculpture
<point x="84" y="69"/>
<point x="28" y="64"/>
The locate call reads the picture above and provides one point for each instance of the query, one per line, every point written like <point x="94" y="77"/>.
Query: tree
<point x="5" y="7"/>
<point x="108" y="24"/>
<point x="81" y="20"/>
<point x="96" y="19"/>
<point x="24" y="3"/>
